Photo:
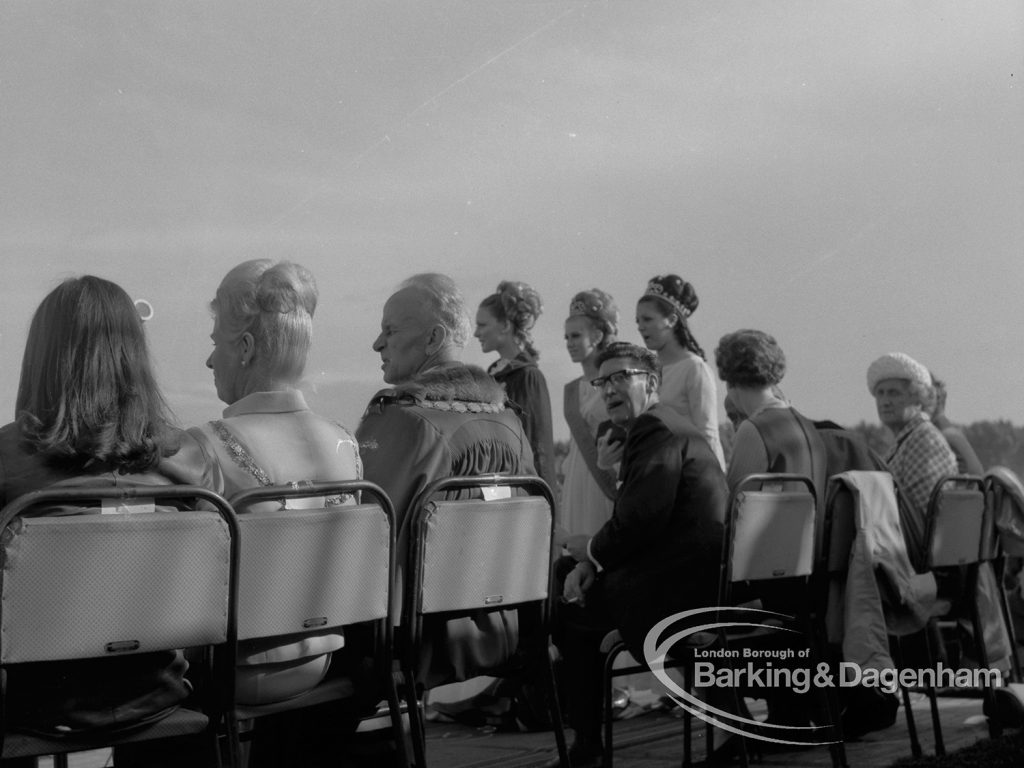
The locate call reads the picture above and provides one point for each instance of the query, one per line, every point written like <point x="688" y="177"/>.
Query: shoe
<point x="868" y="710"/>
<point x="581" y="755"/>
<point x="483" y="709"/>
<point x="620" y="699"/>
<point x="1009" y="706"/>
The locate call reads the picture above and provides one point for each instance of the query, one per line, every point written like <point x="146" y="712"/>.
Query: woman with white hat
<point x="921" y="457"/>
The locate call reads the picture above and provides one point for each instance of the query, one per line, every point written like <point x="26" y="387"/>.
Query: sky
<point x="848" y="177"/>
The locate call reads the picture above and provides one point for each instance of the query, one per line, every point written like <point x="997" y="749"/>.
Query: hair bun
<point x="285" y="288"/>
<point x="674" y="290"/>
<point x="598" y="306"/>
<point x="521" y="303"/>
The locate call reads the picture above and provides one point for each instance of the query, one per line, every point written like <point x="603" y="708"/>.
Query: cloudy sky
<point x="846" y="176"/>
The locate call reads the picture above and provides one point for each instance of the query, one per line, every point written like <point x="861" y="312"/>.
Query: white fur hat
<point x="897" y="365"/>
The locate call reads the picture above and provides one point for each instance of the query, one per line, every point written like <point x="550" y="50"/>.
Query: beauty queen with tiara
<point x="588" y="491"/>
<point x="687" y="384"/>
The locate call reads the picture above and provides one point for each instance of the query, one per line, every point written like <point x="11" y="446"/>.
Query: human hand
<point x="578" y="582"/>
<point x="609" y="450"/>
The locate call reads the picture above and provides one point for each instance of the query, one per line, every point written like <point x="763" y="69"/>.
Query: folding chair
<point x="98" y="586"/>
<point x="613" y="647"/>
<point x="955" y="547"/>
<point x="770" y="535"/>
<point x="310" y="564"/>
<point x="476" y="554"/>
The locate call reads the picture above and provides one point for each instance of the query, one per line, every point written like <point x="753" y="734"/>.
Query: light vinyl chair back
<point x="81" y="586"/>
<point x="769" y="529"/>
<point x="316" y="566"/>
<point x="484" y="554"/>
<point x="956" y="521"/>
<point x="310" y="569"/>
<point x="478" y="553"/>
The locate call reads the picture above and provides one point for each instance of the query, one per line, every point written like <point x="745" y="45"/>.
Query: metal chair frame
<point x="218" y="696"/>
<point x="383" y="625"/>
<point x="614" y="646"/>
<point x="812" y="572"/>
<point x="411" y="627"/>
<point x="987" y="550"/>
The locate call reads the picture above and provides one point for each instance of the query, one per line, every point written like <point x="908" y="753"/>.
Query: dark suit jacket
<point x="661" y="549"/>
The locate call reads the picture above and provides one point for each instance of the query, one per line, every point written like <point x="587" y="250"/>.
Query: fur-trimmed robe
<point x="451" y="420"/>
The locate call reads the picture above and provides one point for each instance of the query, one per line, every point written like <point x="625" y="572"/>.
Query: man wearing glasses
<point x="660" y="551"/>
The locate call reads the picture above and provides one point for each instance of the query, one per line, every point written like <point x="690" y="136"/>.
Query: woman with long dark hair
<point x="89" y="412"/>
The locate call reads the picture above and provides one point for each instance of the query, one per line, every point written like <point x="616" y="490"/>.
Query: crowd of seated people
<point x="641" y="510"/>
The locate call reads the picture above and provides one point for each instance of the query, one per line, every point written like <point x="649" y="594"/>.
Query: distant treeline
<point x="997" y="443"/>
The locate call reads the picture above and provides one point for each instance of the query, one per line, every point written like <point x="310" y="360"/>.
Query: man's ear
<point x="436" y="339"/>
<point x="652" y="383"/>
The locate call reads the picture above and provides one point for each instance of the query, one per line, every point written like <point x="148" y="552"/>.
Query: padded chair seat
<point x="330" y="690"/>
<point x="181" y="722"/>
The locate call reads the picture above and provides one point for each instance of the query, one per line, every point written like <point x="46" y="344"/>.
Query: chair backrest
<point x="100" y="585"/>
<point x="956" y="521"/>
<point x="307" y="569"/>
<point x="479" y="553"/>
<point x="769" y="533"/>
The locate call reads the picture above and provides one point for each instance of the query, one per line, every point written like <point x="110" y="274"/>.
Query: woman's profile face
<point x="654" y="325"/>
<point x="581" y="338"/>
<point x="226" y="363"/>
<point x="490" y="332"/>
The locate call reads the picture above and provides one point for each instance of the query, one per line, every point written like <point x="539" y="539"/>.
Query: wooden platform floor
<point x="654" y="740"/>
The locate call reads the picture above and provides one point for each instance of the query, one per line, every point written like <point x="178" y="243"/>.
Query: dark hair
<point x="274" y="302"/>
<point x="641" y="356"/>
<point x="87" y="389"/>
<point x="674" y="296"/>
<point x="520" y="306"/>
<point x="749" y="358"/>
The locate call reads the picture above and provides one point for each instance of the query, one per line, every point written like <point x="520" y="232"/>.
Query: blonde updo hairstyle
<point x="600" y="310"/>
<point x="518" y="305"/>
<point x="274" y="302"/>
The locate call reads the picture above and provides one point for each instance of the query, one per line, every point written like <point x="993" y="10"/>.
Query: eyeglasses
<point x="616" y="379"/>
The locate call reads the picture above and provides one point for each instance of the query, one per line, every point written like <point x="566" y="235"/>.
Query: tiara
<point x="658" y="291"/>
<point x="579" y="307"/>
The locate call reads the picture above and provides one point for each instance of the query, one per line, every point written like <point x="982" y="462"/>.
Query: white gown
<point x="584" y="506"/>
